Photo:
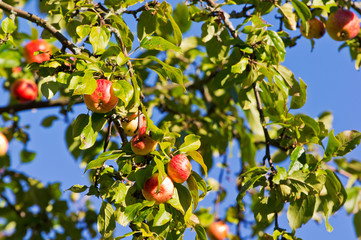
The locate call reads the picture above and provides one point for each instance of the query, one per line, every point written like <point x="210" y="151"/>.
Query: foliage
<point x="223" y="86"/>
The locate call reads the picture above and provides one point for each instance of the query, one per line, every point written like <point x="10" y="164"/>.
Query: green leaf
<point x="78" y="188"/>
<point x="27" y="156"/>
<point x="83" y="31"/>
<point x="240" y="66"/>
<point x="200" y="233"/>
<point x="162" y="216"/>
<point x="299" y="99"/>
<point x="123" y="90"/>
<point x="97" y="163"/>
<point x="357" y="224"/>
<point x="98" y="121"/>
<point x="289" y="17"/>
<point x="201" y="184"/>
<point x="196" y="156"/>
<point x="335" y="191"/>
<point x="48" y="121"/>
<point x="174" y="74"/>
<point x="348" y="141"/>
<point x="158" y="43"/>
<point x="49" y="86"/>
<point x="281" y="175"/>
<point x="160" y="166"/>
<point x="301" y="211"/>
<point x="88" y="136"/>
<point x="83" y="85"/>
<point x="146" y="24"/>
<point x="193" y="188"/>
<point x="106" y="219"/>
<point x="176" y="31"/>
<point x="80" y="123"/>
<point x="278" y="43"/>
<point x="191" y="143"/>
<point x="302" y="10"/>
<point x="332" y="145"/>
<point x="8" y="25"/>
<point x="99" y="38"/>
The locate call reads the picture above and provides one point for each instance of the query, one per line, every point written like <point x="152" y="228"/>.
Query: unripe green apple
<point x="130" y="125"/>
<point x="4" y="144"/>
<point x="103" y="98"/>
<point x="342" y="25"/>
<point x="39" y="45"/>
<point x="24" y="90"/>
<point x="218" y="230"/>
<point x="143" y="144"/>
<point x="179" y="168"/>
<point x="316" y="29"/>
<point x="161" y="195"/>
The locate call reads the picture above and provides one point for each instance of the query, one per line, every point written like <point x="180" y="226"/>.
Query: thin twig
<point x="225" y="17"/>
<point x="265" y="130"/>
<point x="37" y="104"/>
<point x="12" y="207"/>
<point x="118" y="126"/>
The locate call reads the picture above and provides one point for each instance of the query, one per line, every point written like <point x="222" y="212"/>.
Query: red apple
<point x="218" y="230"/>
<point x="143" y="144"/>
<point x="179" y="168"/>
<point x="103" y="99"/>
<point x="16" y="70"/>
<point x="39" y="45"/>
<point x="130" y="125"/>
<point x="4" y="144"/>
<point x="316" y="29"/>
<point x="342" y="25"/>
<point x="24" y="90"/>
<point x="161" y="195"/>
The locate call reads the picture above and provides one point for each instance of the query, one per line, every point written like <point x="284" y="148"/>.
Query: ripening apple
<point x="16" y="70"/>
<point x="39" y="45"/>
<point x="218" y="230"/>
<point x="143" y="144"/>
<point x="103" y="98"/>
<point x="4" y="144"/>
<point x="342" y="25"/>
<point x="179" y="168"/>
<point x="161" y="195"/>
<point x="130" y="124"/>
<point x="316" y="29"/>
<point x="24" y="90"/>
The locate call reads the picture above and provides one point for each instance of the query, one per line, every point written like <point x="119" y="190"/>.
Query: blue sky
<point x="333" y="85"/>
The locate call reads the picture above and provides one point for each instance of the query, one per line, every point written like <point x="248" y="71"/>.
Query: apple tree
<point x="214" y="70"/>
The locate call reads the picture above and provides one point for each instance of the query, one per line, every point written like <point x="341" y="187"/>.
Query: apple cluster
<point x="25" y="90"/>
<point x="341" y="25"/>
<point x="134" y="125"/>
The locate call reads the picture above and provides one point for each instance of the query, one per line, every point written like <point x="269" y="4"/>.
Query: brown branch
<point x="20" y="214"/>
<point x="38" y="104"/>
<point x="265" y="130"/>
<point x="118" y="126"/>
<point x="41" y="22"/>
<point x="225" y="17"/>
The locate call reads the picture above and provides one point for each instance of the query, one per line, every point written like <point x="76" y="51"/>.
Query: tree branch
<point x="38" y="104"/>
<point x="225" y="17"/>
<point x="41" y="22"/>
<point x="265" y="130"/>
